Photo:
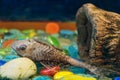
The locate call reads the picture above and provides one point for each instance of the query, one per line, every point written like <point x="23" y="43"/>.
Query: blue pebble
<point x="76" y="70"/>
<point x="10" y="57"/>
<point x="74" y="44"/>
<point x="117" y="78"/>
<point x="73" y="52"/>
<point x="42" y="78"/>
<point x="66" y="33"/>
<point x="2" y="62"/>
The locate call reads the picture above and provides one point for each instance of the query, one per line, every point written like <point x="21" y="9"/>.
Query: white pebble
<point x="20" y="68"/>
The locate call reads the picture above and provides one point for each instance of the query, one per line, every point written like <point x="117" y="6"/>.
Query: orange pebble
<point x="52" y="28"/>
<point x="8" y="43"/>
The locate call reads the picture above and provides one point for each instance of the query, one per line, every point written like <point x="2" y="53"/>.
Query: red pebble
<point x="50" y="71"/>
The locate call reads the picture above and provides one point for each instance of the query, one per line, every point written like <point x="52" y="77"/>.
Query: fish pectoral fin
<point x="45" y="65"/>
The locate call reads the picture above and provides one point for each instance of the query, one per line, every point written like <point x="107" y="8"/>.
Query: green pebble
<point x="21" y="37"/>
<point x="55" y="35"/>
<point x="54" y="41"/>
<point x="15" y="31"/>
<point x="2" y="31"/>
<point x="12" y="36"/>
<point x="27" y="32"/>
<point x="2" y="52"/>
<point x="40" y="32"/>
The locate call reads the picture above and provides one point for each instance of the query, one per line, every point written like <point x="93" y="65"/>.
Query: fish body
<point x="42" y="52"/>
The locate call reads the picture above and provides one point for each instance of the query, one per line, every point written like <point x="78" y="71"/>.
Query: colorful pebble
<point x="76" y="70"/>
<point x="76" y="77"/>
<point x="9" y="35"/>
<point x="2" y="62"/>
<point x="52" y="28"/>
<point x="41" y="78"/>
<point x="64" y="42"/>
<point x="61" y="74"/>
<point x="66" y="34"/>
<point x="50" y="71"/>
<point x="73" y="52"/>
<point x="18" y="69"/>
<point x="2" y="31"/>
<point x="10" y="57"/>
<point x="54" y="41"/>
<point x="117" y="78"/>
<point x="2" y="52"/>
<point x="8" y="43"/>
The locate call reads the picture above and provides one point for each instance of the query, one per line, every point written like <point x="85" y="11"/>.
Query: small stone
<point x="18" y="69"/>
<point x="9" y="35"/>
<point x="117" y="78"/>
<point x="64" y="42"/>
<point x="49" y="71"/>
<point x="40" y="32"/>
<point x="2" y="62"/>
<point x="52" y="28"/>
<point x="73" y="52"/>
<point x="55" y="35"/>
<point x="32" y="34"/>
<point x="1" y="42"/>
<point x="8" y="43"/>
<point x="12" y="34"/>
<point x="41" y="78"/>
<point x="61" y="74"/>
<point x="14" y="31"/>
<point x="2" y="52"/>
<point x="76" y="77"/>
<point x="66" y="34"/>
<point x="10" y="57"/>
<point x="2" y="31"/>
<point x="76" y="70"/>
<point x="54" y="41"/>
<point x="21" y="36"/>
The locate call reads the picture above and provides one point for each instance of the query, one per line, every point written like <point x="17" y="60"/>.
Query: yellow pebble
<point x="32" y="34"/>
<point x="76" y="77"/>
<point x="61" y="74"/>
<point x="72" y="77"/>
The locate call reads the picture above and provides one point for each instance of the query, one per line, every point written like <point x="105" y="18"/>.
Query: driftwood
<point x="99" y="36"/>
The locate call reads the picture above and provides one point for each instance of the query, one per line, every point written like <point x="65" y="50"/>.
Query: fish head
<point x="24" y="48"/>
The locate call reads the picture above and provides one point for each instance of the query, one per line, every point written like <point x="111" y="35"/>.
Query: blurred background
<point x="49" y="10"/>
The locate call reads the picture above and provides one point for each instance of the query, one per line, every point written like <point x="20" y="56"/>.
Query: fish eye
<point x="29" y="40"/>
<point x="22" y="47"/>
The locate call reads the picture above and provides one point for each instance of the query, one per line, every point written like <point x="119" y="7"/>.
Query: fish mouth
<point x="15" y="50"/>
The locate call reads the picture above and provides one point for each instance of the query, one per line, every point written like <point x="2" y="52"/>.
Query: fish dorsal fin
<point x="45" y="43"/>
<point x="57" y="48"/>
